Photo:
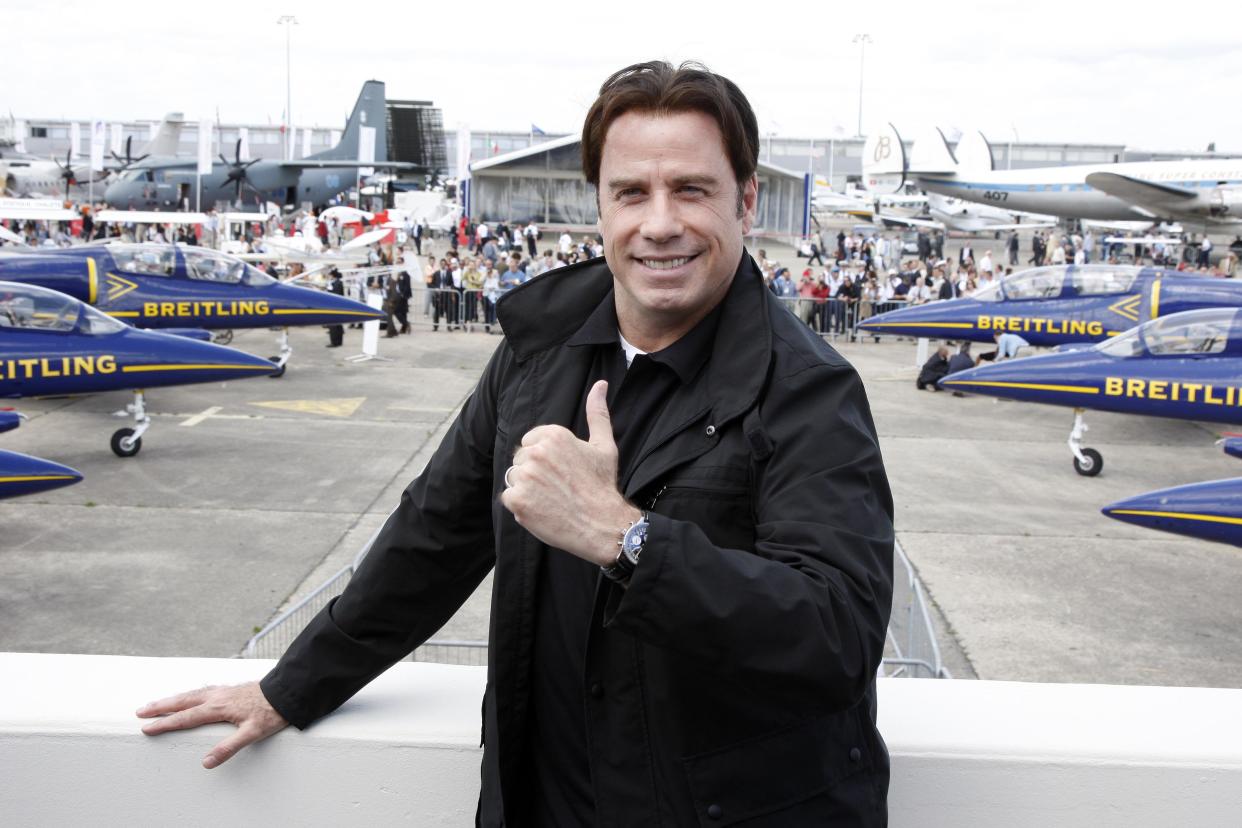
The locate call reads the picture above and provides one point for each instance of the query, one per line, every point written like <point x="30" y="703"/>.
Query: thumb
<point x="599" y="421"/>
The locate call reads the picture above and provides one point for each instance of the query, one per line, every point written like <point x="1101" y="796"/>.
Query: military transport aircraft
<point x="1211" y="511"/>
<point x="1060" y="304"/>
<point x="170" y="183"/>
<point x="21" y="474"/>
<point x="1204" y="193"/>
<point x="1184" y="366"/>
<point x="175" y="286"/>
<point x="52" y="344"/>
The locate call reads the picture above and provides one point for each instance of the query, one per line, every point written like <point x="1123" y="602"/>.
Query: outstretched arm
<point x="243" y="705"/>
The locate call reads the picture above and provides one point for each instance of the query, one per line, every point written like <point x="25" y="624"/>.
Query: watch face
<point x="634" y="540"/>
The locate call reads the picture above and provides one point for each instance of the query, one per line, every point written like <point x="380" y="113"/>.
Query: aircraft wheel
<point x="279" y="372"/>
<point x="223" y="337"/>
<point x="121" y="439"/>
<point x="1093" y="466"/>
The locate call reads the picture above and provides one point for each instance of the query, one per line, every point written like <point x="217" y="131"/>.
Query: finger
<point x="186" y="719"/>
<point x="229" y="747"/>
<point x="171" y="704"/>
<point x="538" y="434"/>
<point x="599" y="421"/>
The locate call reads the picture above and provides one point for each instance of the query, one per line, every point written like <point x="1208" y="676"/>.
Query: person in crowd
<point x="935" y="369"/>
<point x="336" y="333"/>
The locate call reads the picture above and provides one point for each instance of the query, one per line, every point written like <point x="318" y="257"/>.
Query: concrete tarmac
<point x="249" y="494"/>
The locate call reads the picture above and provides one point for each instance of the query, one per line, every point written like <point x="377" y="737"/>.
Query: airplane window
<point x="147" y="259"/>
<point x="991" y="293"/>
<point x="209" y="266"/>
<point x="1123" y="345"/>
<point x="1102" y="281"/>
<point x="98" y="323"/>
<point x="42" y="310"/>
<point x="1040" y="283"/>
<point x="1205" y="332"/>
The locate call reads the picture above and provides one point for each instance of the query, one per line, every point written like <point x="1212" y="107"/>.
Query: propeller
<point x="70" y="177"/>
<point x="237" y="171"/>
<point x="128" y="160"/>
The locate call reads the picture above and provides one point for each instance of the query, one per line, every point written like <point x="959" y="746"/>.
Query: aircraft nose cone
<point x="294" y="305"/>
<point x="949" y="319"/>
<point x="21" y="474"/>
<point x="1211" y="511"/>
<point x="167" y="359"/>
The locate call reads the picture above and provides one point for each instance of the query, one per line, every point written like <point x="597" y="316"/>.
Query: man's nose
<point x="661" y="220"/>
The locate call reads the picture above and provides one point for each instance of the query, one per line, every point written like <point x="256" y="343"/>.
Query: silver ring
<point x="508" y="482"/>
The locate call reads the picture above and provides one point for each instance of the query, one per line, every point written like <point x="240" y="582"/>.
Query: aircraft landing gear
<point x="1087" y="462"/>
<point x="126" y="442"/>
<point x="282" y="359"/>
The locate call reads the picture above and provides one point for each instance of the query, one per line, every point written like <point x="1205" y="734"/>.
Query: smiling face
<point x="670" y="221"/>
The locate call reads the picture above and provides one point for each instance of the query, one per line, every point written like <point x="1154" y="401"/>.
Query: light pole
<point x="862" y="40"/>
<point x="288" y="21"/>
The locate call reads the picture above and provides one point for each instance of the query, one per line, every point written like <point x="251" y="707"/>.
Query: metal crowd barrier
<point x="454" y="308"/>
<point x="833" y="318"/>
<point x="911" y="650"/>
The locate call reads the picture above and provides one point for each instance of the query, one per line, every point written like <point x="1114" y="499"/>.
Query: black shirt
<point x="561" y="787"/>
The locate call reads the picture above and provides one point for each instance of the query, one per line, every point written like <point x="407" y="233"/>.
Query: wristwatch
<point x="631" y="543"/>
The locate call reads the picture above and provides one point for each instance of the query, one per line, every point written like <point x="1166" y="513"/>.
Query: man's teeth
<point x="665" y="264"/>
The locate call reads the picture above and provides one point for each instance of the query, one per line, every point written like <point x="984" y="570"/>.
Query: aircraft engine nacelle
<point x="1225" y="201"/>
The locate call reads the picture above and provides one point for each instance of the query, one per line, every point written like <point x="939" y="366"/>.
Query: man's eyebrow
<point x="615" y="184"/>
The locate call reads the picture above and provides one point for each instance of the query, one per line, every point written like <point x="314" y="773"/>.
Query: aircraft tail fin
<point x="167" y="138"/>
<point x="974" y="153"/>
<point x="366" y="132"/>
<point x="931" y="154"/>
<point x="884" y="161"/>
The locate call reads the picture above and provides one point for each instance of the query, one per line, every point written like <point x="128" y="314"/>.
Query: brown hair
<point x="657" y="87"/>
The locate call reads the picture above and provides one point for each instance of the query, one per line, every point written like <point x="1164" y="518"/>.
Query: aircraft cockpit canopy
<point x="1205" y="331"/>
<point x="147" y="259"/>
<point x="1040" y="283"/>
<point x="989" y="293"/>
<point x="1103" y="280"/>
<point x="210" y="266"/>
<point x="37" y="309"/>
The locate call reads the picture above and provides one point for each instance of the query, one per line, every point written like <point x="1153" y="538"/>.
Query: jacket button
<point x="714" y="811"/>
<point x="855" y="754"/>
<point x="597" y="691"/>
<point x="711" y="429"/>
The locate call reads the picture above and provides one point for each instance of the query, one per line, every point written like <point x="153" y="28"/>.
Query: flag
<point x="534" y="130"/>
<point x="118" y="138"/>
<point x="306" y="142"/>
<point x="366" y="149"/>
<point x="204" y="147"/>
<point x="463" y="151"/>
<point x="75" y="140"/>
<point x="243" y="135"/>
<point x="99" y="133"/>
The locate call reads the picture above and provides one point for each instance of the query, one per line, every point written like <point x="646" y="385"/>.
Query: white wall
<point x="405" y="751"/>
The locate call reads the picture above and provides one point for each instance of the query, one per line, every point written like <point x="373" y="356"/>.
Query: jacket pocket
<point x="776" y="772"/>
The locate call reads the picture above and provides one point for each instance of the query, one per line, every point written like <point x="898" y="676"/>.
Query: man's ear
<point x="749" y="201"/>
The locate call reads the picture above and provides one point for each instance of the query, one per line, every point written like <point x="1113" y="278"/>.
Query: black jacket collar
<point x="546" y="311"/>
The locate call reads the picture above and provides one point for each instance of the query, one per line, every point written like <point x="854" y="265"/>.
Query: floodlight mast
<point x="288" y="21"/>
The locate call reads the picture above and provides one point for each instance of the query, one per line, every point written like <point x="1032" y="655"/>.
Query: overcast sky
<point x="1151" y="77"/>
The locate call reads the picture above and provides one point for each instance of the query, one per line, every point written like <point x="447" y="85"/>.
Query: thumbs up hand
<point x="564" y="490"/>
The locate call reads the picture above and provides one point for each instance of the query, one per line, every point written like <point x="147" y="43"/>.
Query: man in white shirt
<point x="566" y="243"/>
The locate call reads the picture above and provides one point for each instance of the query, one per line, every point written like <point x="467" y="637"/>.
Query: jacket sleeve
<point x="807" y="608"/>
<point x="430" y="555"/>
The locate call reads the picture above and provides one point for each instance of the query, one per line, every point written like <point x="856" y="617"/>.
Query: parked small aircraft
<point x="52" y="344"/>
<point x="1060" y="304"/>
<point x="21" y="474"/>
<point x="176" y="286"/>
<point x="1211" y="511"/>
<point x="958" y="216"/>
<point x="1184" y="366"/>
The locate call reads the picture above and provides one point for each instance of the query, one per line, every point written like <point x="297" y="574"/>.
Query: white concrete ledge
<point x="405" y="751"/>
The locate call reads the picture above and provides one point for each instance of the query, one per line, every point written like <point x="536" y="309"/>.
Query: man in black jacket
<point x="679" y="488"/>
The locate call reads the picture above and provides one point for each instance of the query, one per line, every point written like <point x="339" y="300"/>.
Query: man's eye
<point x="692" y="189"/>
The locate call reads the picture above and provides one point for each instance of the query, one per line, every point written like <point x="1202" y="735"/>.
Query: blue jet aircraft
<point x="175" y="286"/>
<point x="1211" y="511"/>
<point x="1061" y="304"/>
<point x="1185" y="366"/>
<point x="52" y="345"/>
<point x="21" y="474"/>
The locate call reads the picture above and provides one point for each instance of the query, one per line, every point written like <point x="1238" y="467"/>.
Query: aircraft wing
<point x="314" y="164"/>
<point x="1146" y="194"/>
<point x="1027" y="225"/>
<point x="913" y="222"/>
